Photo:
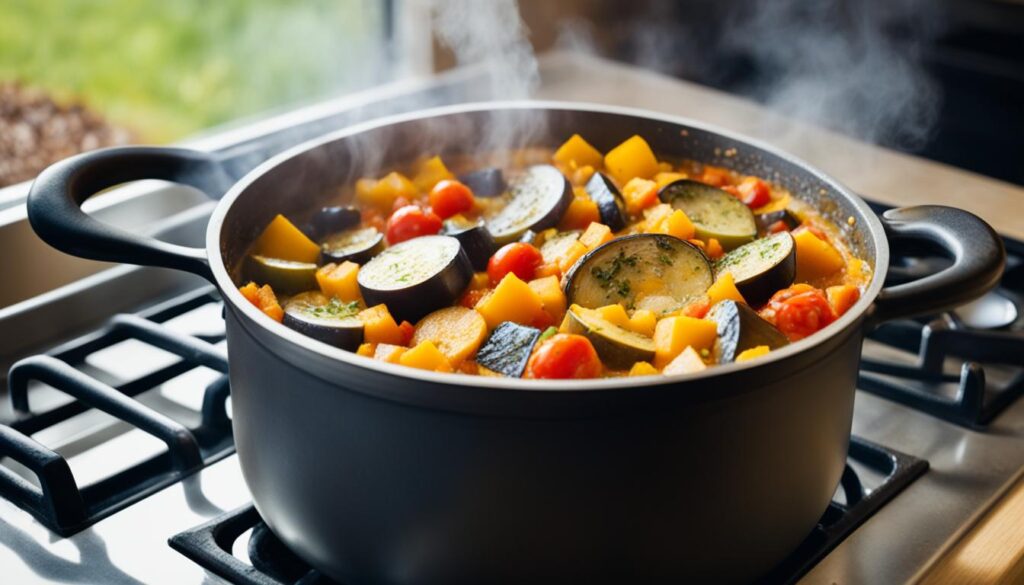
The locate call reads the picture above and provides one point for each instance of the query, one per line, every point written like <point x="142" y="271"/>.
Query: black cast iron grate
<point x="58" y="501"/>
<point x="210" y="544"/>
<point x="978" y="398"/>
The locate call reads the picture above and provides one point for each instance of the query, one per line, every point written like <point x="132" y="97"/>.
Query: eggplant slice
<point x="416" y="276"/>
<point x="714" y="213"/>
<point x="508" y="349"/>
<point x="618" y="348"/>
<point x="334" y="219"/>
<point x="329" y="320"/>
<point x="475" y="238"/>
<point x="761" y="267"/>
<point x="740" y="328"/>
<point x="643" y="271"/>
<point x="286" y="277"/>
<point x="488" y="182"/>
<point x="537" y="200"/>
<point x="354" y="245"/>
<point x="610" y="203"/>
<point x="766" y="220"/>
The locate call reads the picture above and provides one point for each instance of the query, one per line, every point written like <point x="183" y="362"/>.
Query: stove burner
<point x="60" y="503"/>
<point x="210" y="544"/>
<point x="992" y="311"/>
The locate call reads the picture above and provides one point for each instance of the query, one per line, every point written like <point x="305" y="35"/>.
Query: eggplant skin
<point x="757" y="288"/>
<point x="359" y="256"/>
<point x="488" y="182"/>
<point x="333" y="219"/>
<point x="438" y="289"/>
<point x="284" y="276"/>
<point x="539" y="200"/>
<point x="609" y="201"/>
<point x="616" y="352"/>
<point x="477" y="242"/>
<point x="508" y="349"/>
<point x="345" y="333"/>
<point x="741" y="328"/>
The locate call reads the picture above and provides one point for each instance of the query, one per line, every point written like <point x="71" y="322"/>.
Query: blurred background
<point x="943" y="79"/>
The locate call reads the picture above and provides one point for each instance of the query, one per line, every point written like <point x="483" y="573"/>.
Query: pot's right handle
<point x="56" y="197"/>
<point x="978" y="261"/>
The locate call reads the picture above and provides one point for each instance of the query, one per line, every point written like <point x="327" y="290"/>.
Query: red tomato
<point x="471" y="297"/>
<point x="450" y="197"/>
<point x="779" y="226"/>
<point x="519" y="258"/>
<point x="409" y="222"/>
<point x="563" y="356"/>
<point x="697" y="309"/>
<point x="754" y="192"/>
<point x="799" y="311"/>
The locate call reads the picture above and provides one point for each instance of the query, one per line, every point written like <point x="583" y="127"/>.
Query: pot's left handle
<point x="56" y="197"/>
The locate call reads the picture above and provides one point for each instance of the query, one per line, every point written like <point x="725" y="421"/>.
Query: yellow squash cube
<point x="724" y="289"/>
<point x="674" y="334"/>
<point x="282" y="240"/>
<point x="379" y="326"/>
<point x="749" y="354"/>
<point x="639" y="194"/>
<point x="571" y="255"/>
<point x="425" y="356"/>
<point x="512" y="300"/>
<point x="664" y="178"/>
<point x="643" y="369"/>
<point x="339" y="280"/>
<point x="687" y="362"/>
<point x="577" y="151"/>
<point x="551" y="296"/>
<point x="633" y="158"/>
<point x="581" y="213"/>
<point x="815" y="258"/>
<point x="387" y="352"/>
<point x="431" y="172"/>
<point x="595" y="235"/>
<point x="384" y="192"/>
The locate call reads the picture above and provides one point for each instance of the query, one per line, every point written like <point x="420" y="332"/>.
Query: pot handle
<point x="56" y="197"/>
<point x="978" y="261"/>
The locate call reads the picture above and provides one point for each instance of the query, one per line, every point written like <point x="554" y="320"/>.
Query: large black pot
<point x="378" y="473"/>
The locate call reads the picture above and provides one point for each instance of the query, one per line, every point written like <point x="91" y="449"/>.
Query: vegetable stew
<point x="571" y="264"/>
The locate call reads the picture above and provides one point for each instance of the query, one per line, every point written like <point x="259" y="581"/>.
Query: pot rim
<point x="230" y="293"/>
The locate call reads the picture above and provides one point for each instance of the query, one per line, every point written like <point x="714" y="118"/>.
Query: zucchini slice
<point x="741" y="328"/>
<point x="657" y="272"/>
<point x="286" y="277"/>
<point x="538" y="199"/>
<point x="610" y="203"/>
<point x="475" y="238"/>
<point x="508" y="349"/>
<point x="416" y="276"/>
<point x="355" y="245"/>
<point x="761" y="267"/>
<point x="488" y="182"/>
<point x="714" y="213"/>
<point x="618" y="348"/>
<point x="329" y="320"/>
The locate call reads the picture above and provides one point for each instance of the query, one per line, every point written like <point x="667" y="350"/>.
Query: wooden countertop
<point x="878" y="173"/>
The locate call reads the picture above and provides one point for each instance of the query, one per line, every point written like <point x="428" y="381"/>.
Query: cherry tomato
<point x="697" y="309"/>
<point x="563" y="356"/>
<point x="779" y="226"/>
<point x="754" y="192"/>
<point x="799" y="311"/>
<point x="471" y="297"/>
<point x="409" y="222"/>
<point x="450" y="197"/>
<point x="407" y="330"/>
<point x="519" y="258"/>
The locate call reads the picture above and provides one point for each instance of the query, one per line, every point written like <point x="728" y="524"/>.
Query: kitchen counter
<point x="879" y="173"/>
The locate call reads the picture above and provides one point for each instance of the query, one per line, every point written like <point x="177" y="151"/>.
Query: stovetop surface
<point x="970" y="465"/>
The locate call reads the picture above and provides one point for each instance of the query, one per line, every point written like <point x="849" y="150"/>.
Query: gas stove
<point x="116" y="428"/>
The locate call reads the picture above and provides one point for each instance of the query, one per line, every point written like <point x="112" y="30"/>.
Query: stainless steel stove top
<point x="969" y="468"/>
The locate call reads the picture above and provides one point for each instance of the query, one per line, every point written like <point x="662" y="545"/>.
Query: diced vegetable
<point x="366" y="349"/>
<point x="334" y="219"/>
<point x="449" y="197"/>
<point x="665" y="178"/>
<point x="512" y="300"/>
<point x="642" y="271"/>
<point x="411" y="221"/>
<point x="564" y="356"/>
<point x="643" y="369"/>
<point x="687" y="362"/>
<point x="518" y="258"/>
<point x="431" y="172"/>
<point x="641" y="322"/>
<point x="610" y="204"/>
<point x="577" y="151"/>
<point x="761" y="267"/>
<point x="798" y="311"/>
<point x="618" y="347"/>
<point x="754" y="352"/>
<point x="387" y="352"/>
<point x="264" y="299"/>
<point x="425" y="356"/>
<point x="740" y="328"/>
<point x="715" y="176"/>
<point x="724" y="289"/>
<point x="508" y="349"/>
<point x="754" y="192"/>
<point x="595" y="235"/>
<point x="456" y="331"/>
<point x="356" y="245"/>
<point x="475" y="238"/>
<point x="842" y="297"/>
<point x="284" y="276"/>
<point x="557" y="246"/>
<point x="639" y="194"/>
<point x="632" y="158"/>
<point x="815" y="258"/>
<point x="674" y="334"/>
<point x="339" y="281"/>
<point x="326" y="319"/>
<point x="551" y="296"/>
<point x="380" y="327"/>
<point x="383" y="193"/>
<point x="714" y="213"/>
<point x="283" y="241"/>
<point x="417" y="276"/>
<point x="488" y="182"/>
<point x="663" y="219"/>
<point x="538" y="199"/>
<point x="581" y="213"/>
<point x="766" y="222"/>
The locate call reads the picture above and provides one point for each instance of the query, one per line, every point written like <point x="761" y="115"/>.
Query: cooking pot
<point x="373" y="472"/>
